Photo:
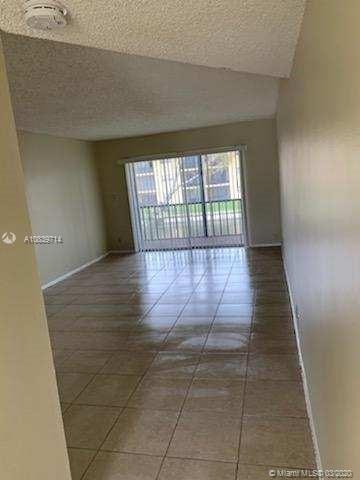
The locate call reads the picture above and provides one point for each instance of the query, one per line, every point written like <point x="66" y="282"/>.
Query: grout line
<point x="242" y="412"/>
<point x="189" y="386"/>
<point x="187" y="394"/>
<point x="244" y="389"/>
<point x="191" y="381"/>
<point x="287" y="467"/>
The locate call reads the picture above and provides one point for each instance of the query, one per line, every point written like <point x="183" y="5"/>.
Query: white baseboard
<point x="303" y="374"/>
<point x="256" y="245"/>
<point x="121" y="251"/>
<point x="72" y="272"/>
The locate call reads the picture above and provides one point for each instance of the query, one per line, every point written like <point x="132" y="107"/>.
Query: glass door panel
<point x="222" y="192"/>
<point x="189" y="201"/>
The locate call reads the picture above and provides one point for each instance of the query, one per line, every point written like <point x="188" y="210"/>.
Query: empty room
<point x="179" y="239"/>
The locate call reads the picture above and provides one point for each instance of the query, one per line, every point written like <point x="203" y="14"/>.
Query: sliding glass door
<point x="188" y="201"/>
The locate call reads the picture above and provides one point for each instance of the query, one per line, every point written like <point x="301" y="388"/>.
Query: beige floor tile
<point x="53" y="309"/>
<point x="254" y="472"/>
<point x="197" y="323"/>
<point x="238" y="289"/>
<point x="142" y="431"/>
<point x="79" y="461"/>
<point x="216" y="395"/>
<point x="274" y="398"/>
<point x="112" y="390"/>
<point x="205" y="298"/>
<point x="167" y="309"/>
<point x="123" y="466"/>
<point x="232" y="324"/>
<point x="106" y="310"/>
<point x="181" y="469"/>
<point x="265" y="343"/>
<point x="274" y="367"/>
<point x="145" y="341"/>
<point x="279" y="298"/>
<point x="183" y="340"/>
<point x="129" y="363"/>
<point x="103" y="289"/>
<point x="88" y="361"/>
<point x="272" y="309"/>
<point x="209" y="288"/>
<point x="154" y="288"/>
<point x="100" y="299"/>
<point x="266" y="317"/>
<point x="199" y="309"/>
<point x="206" y="436"/>
<point x="180" y="290"/>
<point x="271" y="287"/>
<point x="277" y="326"/>
<point x="87" y="426"/>
<point x="57" y="289"/>
<point x="64" y="407"/>
<point x="89" y="340"/>
<point x="106" y="324"/>
<point x="160" y="393"/>
<point x="215" y="365"/>
<point x="57" y="323"/>
<point x="156" y="322"/>
<point x="276" y="441"/>
<point x="144" y="298"/>
<point x="227" y="342"/>
<point x="59" y="356"/>
<point x="177" y="365"/>
<point x="229" y="309"/>
<point x="238" y="298"/>
<point x="71" y="384"/>
<point x="174" y="299"/>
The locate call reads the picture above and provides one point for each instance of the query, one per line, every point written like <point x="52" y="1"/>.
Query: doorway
<point x="189" y="201"/>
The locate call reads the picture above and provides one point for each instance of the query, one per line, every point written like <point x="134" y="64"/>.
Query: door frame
<point x="131" y="185"/>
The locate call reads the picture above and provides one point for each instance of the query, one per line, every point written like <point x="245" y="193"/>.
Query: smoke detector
<point x="44" y="15"/>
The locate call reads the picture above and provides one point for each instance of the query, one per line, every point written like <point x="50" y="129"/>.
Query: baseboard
<point x="256" y="245"/>
<point x="72" y="272"/>
<point x="121" y="251"/>
<point x="303" y="374"/>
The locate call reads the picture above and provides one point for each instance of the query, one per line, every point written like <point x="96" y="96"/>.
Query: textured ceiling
<point x="255" y="36"/>
<point x="82" y="92"/>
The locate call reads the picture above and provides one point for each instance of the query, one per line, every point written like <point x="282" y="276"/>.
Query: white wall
<point x="64" y="199"/>
<point x="261" y="173"/>
<point x="32" y="441"/>
<point x="319" y="144"/>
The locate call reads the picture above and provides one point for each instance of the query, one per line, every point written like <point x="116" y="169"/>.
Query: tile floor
<point x="179" y="365"/>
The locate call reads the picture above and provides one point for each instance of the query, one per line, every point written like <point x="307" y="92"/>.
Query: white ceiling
<point x="254" y="36"/>
<point x="86" y="93"/>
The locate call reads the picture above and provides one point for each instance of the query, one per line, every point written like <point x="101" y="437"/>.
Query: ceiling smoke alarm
<point x="44" y="15"/>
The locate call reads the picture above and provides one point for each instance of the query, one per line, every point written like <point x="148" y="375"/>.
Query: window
<point x="145" y="183"/>
<point x="187" y="200"/>
<point x="143" y="167"/>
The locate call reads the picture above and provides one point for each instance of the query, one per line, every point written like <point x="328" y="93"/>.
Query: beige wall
<point x="64" y="199"/>
<point x="319" y="144"/>
<point x="261" y="173"/>
<point x="32" y="443"/>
